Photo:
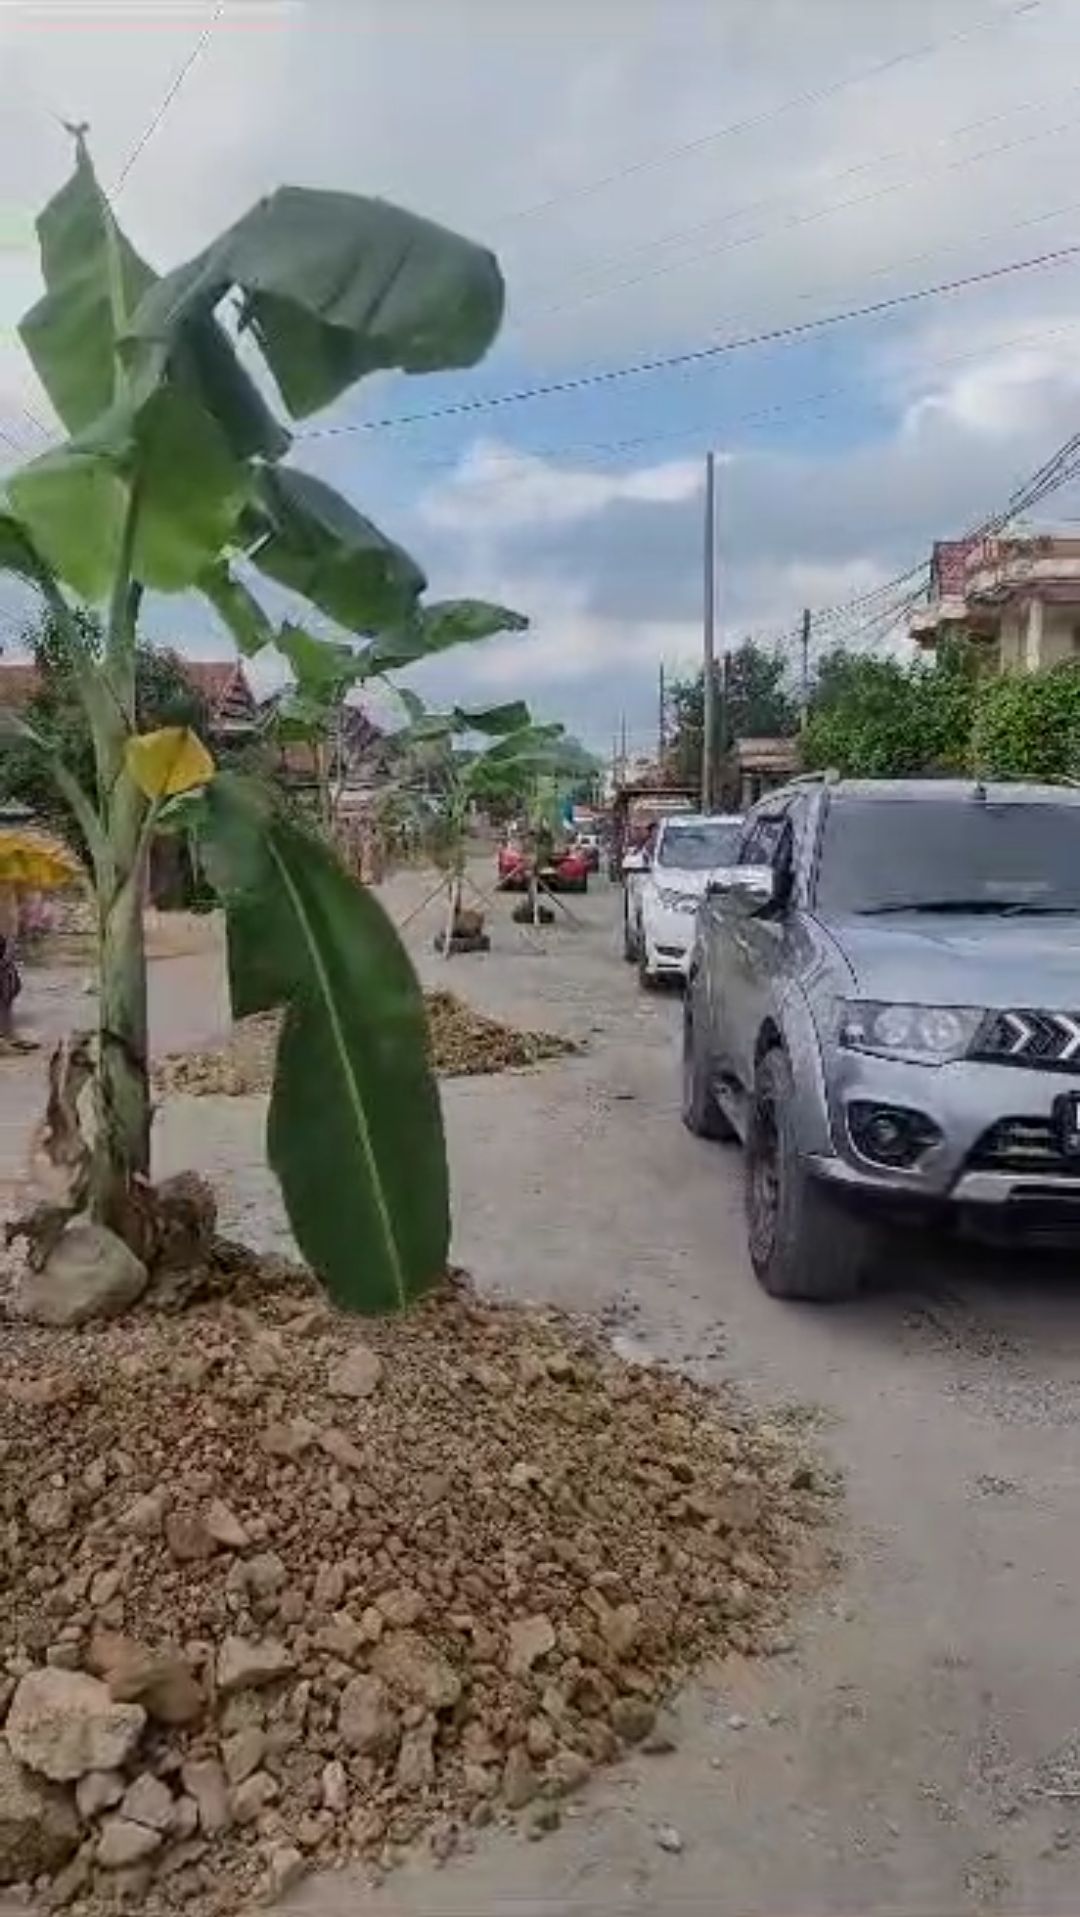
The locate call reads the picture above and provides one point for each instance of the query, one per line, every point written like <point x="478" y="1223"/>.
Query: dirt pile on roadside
<point x="274" y="1593"/>
<point x="464" y="1043"/>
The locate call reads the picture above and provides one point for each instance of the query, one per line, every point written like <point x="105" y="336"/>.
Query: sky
<point x="656" y="179"/>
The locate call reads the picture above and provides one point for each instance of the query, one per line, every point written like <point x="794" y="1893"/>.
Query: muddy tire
<point x="802" y="1243"/>
<point x="700" y="1112"/>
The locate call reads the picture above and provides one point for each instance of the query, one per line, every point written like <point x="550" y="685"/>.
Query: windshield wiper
<point x="1007" y="907"/>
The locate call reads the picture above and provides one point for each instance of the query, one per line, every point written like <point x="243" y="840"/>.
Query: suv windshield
<point x="698" y="848"/>
<point x="922" y="855"/>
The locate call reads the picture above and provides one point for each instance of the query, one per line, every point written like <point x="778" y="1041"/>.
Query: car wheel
<point x="646" y="978"/>
<point x="700" y="1112"/>
<point x="802" y="1243"/>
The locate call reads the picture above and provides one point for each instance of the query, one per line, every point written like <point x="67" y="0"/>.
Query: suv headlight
<point x="673" y="901"/>
<point x="921" y="1034"/>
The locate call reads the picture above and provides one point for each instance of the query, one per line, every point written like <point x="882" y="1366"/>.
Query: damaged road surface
<point x="916" y="1746"/>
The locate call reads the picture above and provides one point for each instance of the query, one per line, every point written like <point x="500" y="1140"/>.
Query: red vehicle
<point x="564" y="872"/>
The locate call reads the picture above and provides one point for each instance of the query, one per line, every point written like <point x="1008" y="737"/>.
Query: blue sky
<point x="653" y="179"/>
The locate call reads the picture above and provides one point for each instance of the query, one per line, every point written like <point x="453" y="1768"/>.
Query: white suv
<point x="664" y="891"/>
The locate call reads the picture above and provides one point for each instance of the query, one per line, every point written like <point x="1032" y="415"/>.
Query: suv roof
<point x="960" y="791"/>
<point x="702" y="818"/>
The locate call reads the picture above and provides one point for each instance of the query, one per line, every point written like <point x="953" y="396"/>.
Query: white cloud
<point x="493" y="488"/>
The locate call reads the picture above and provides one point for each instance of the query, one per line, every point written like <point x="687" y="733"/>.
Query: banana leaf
<point x="354" y="1132"/>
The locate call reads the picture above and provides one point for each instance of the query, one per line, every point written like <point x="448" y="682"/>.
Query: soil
<point x="408" y="1578"/>
<point x="464" y="1043"/>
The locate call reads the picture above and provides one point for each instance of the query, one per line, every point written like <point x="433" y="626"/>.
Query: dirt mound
<point x="340" y="1593"/>
<point x="464" y="1042"/>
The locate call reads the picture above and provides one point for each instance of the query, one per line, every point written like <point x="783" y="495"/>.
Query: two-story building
<point x="1018" y="594"/>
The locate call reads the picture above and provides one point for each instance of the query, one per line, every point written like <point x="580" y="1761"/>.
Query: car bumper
<point x="669" y="938"/>
<point x="997" y="1162"/>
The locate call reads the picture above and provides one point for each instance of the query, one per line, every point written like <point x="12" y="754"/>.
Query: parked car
<point x="588" y="844"/>
<point x="565" y="871"/>
<point x="663" y="892"/>
<point x="884" y="1006"/>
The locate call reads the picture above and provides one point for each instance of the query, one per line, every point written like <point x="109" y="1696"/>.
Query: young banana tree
<point x="175" y="477"/>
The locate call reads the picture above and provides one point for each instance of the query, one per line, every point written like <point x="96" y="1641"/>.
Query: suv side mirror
<point x="748" y="888"/>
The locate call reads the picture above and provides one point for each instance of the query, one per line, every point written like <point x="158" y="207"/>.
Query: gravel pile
<point x="274" y="1593"/>
<point x="464" y="1042"/>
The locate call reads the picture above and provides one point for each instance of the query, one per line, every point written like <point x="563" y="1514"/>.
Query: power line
<point x="814" y="96"/>
<point x="695" y="355"/>
<point x="811" y="217"/>
<point x="177" y="82"/>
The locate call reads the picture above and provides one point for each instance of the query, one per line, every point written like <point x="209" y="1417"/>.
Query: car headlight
<point x="673" y="901"/>
<point x="921" y="1034"/>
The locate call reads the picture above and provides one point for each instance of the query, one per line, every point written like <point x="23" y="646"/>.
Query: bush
<point x="1027" y="725"/>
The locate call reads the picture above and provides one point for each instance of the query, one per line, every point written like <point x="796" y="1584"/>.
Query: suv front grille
<point x="1043" y="1041"/>
<point x="1023" y="1145"/>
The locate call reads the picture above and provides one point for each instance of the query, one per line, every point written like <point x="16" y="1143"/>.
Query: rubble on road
<point x="465" y="1043"/>
<point x="414" y="1607"/>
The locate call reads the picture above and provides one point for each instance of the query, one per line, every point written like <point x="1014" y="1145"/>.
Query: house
<point x="222" y="683"/>
<point x="756" y="765"/>
<point x="1017" y="595"/>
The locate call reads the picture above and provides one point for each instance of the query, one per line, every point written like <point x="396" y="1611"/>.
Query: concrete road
<point x="919" y="1750"/>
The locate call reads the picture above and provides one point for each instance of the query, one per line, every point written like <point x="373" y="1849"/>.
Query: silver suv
<point x="884" y="1006"/>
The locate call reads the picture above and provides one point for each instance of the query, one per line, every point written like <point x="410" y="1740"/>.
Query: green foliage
<point x="758" y="704"/>
<point x="876" y="718"/>
<point x="354" y="1132"/>
<point x="1027" y="725"/>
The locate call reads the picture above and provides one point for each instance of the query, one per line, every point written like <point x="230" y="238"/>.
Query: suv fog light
<point x="890" y="1134"/>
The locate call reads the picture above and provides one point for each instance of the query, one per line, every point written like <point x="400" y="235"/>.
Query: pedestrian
<point x="10" y="987"/>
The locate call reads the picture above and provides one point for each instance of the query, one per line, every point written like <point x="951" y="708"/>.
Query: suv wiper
<point x="1011" y="907"/>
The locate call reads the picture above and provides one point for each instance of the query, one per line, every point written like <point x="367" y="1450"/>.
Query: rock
<point x="663" y="1737"/>
<point x="540" y="1738"/>
<point x="288" y="1440"/>
<point x="162" y="1682"/>
<point x="123" y="1843"/>
<point x="146" y="1516"/>
<point x="285" y="1866"/>
<point x="334" y="1788"/>
<point x="265" y="1573"/>
<point x="367" y="1722"/>
<point x="330" y="1583"/>
<point x="225" y="1527"/>
<point x="531" y="1638"/>
<point x="68" y="1883"/>
<point x="38" y="1826"/>
<point x="520" y="1782"/>
<point x="416" y="1758"/>
<point x="621" y="1629"/>
<point x="185" y="1220"/>
<point x="670" y="1839"/>
<point x="64" y="1723"/>
<point x="90" y="1274"/>
<point x="338" y="1446"/>
<point x="250" y="1798"/>
<point x="188" y="1538"/>
<point x="148" y="1801"/>
<point x="632" y="1718"/>
<point x="243" y="1753"/>
<point x="243" y="1665"/>
<point x="105" y="1587"/>
<point x="50" y="1511"/>
<point x="204" y="1780"/>
<point x="342" y="1637"/>
<point x="568" y="1771"/>
<point x="356" y="1375"/>
<point x="737" y="1722"/>
<point x="98" y="1791"/>
<point x="185" y="1819"/>
<point x="400" y="1608"/>
<point x="413" y="1666"/>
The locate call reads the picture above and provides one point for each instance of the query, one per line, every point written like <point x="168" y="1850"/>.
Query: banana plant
<point x="175" y="476"/>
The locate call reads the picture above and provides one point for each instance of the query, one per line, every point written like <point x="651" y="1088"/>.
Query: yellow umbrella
<point x="31" y="861"/>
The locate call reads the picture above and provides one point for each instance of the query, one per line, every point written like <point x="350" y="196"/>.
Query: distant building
<point x="222" y="683"/>
<point x="756" y="766"/>
<point x="1017" y="595"/>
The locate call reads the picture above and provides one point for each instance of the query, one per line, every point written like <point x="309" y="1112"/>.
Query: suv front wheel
<point x="802" y="1243"/>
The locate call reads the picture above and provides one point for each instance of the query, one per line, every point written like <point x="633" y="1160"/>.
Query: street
<point x="918" y="1749"/>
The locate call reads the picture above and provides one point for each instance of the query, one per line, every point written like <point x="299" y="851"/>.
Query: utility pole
<point x="661" y="725"/>
<point x="804" y="671"/>
<point x="622" y="750"/>
<point x="708" y="715"/>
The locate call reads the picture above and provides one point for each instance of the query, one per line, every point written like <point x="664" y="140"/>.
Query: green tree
<point x="1027" y="725"/>
<point x="174" y="477"/>
<point x="758" y="703"/>
<point x="878" y="718"/>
